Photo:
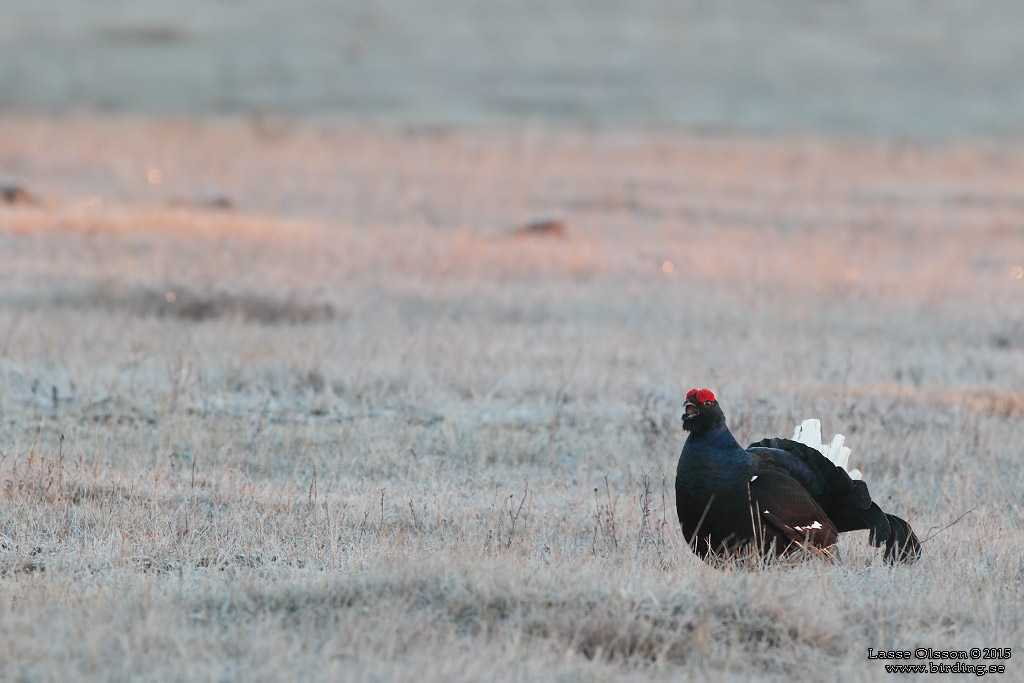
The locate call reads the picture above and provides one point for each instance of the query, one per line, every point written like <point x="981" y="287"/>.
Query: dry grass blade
<point x="936" y="533"/>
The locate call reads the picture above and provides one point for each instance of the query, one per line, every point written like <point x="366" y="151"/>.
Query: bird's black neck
<point x="719" y="436"/>
<point x="718" y="444"/>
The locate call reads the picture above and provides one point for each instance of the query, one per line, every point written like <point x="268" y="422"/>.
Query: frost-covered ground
<point x="352" y="427"/>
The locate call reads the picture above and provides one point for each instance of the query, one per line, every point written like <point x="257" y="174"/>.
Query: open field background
<point x="874" y="67"/>
<point x="325" y="416"/>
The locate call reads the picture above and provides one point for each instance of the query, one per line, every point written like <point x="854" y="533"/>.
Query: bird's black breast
<point x="711" y="491"/>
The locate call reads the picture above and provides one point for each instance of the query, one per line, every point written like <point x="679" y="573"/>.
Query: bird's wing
<point x="846" y="500"/>
<point x="804" y="471"/>
<point x="779" y="500"/>
<point x="818" y="474"/>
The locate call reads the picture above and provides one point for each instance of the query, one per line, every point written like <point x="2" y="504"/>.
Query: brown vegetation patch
<point x="197" y="218"/>
<point x="996" y="402"/>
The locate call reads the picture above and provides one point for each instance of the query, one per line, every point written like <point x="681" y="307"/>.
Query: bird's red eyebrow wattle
<point x="700" y="395"/>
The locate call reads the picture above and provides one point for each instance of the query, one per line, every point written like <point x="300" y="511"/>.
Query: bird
<point x="777" y="495"/>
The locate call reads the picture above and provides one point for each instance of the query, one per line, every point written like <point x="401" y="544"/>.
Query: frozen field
<point x="325" y="418"/>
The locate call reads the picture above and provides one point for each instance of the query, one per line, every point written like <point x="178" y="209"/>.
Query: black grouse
<point x="774" y="496"/>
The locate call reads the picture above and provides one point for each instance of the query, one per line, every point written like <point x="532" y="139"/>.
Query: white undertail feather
<point x="808" y="433"/>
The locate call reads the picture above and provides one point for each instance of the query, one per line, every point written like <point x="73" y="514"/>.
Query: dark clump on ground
<point x="14" y="195"/>
<point x="214" y="202"/>
<point x="541" y="228"/>
<point x="193" y="305"/>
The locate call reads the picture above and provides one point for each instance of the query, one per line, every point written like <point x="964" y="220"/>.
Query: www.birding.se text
<point x="943" y="668"/>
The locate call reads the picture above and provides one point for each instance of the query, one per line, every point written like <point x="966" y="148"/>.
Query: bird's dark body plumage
<point x="777" y="494"/>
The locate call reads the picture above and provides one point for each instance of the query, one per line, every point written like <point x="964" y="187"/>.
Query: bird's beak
<point x="689" y="410"/>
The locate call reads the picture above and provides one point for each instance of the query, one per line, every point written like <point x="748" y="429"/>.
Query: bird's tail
<point x="808" y="433"/>
<point x="901" y="543"/>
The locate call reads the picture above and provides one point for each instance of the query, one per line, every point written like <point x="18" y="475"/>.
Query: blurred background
<point x="939" y="69"/>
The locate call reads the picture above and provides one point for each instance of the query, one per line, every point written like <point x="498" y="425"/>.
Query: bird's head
<point x="701" y="411"/>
